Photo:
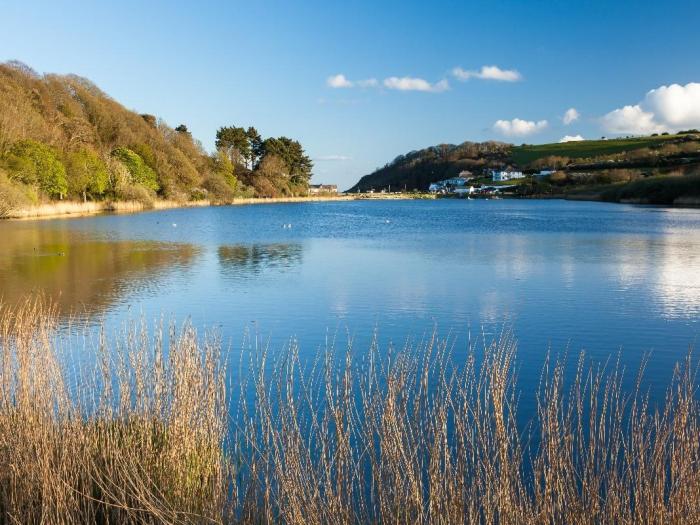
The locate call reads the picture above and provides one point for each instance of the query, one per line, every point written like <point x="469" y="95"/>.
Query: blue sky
<point x="268" y="64"/>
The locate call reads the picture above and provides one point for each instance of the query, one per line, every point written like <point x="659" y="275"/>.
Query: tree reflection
<point x="80" y="274"/>
<point x="240" y="259"/>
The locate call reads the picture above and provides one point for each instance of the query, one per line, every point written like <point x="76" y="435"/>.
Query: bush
<point x="559" y="178"/>
<point x="32" y="162"/>
<point x="218" y="189"/>
<point x="14" y="195"/>
<point x="136" y="192"/>
<point x="141" y="173"/>
<point x="87" y="175"/>
<point x="656" y="190"/>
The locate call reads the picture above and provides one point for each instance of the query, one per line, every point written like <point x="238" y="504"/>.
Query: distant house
<point x="544" y="173"/>
<point x="447" y="185"/>
<point x="315" y="189"/>
<point x="465" y="191"/>
<point x="506" y="175"/>
<point x="466" y="175"/>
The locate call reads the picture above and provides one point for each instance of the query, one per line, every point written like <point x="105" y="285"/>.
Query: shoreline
<point x="73" y="209"/>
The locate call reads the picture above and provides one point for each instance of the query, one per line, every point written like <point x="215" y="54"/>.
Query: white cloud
<point x="332" y="158"/>
<point x="488" y="73"/>
<point x="667" y="108"/>
<point x="338" y="81"/>
<point x="341" y="81"/>
<point x="571" y="138"/>
<point x="571" y="115"/>
<point x="415" y="84"/>
<point x="518" y="127"/>
<point x="675" y="106"/>
<point x="631" y="119"/>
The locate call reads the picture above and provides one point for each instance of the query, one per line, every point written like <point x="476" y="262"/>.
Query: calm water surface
<point x="564" y="275"/>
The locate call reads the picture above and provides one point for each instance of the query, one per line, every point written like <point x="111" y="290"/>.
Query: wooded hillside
<point x="61" y="137"/>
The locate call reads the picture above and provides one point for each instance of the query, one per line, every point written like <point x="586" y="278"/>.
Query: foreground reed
<point x="144" y="431"/>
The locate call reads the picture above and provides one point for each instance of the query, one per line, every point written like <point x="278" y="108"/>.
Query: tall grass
<point x="410" y="436"/>
<point x="139" y="437"/>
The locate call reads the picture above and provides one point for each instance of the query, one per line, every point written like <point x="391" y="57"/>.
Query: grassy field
<point x="523" y="155"/>
<point x="149" y="435"/>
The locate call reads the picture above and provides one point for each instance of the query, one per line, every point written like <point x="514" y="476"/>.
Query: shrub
<point x="32" y="162"/>
<point x="14" y="195"/>
<point x="218" y="189"/>
<point x="87" y="174"/>
<point x="656" y="190"/>
<point x="136" y="192"/>
<point x="141" y="173"/>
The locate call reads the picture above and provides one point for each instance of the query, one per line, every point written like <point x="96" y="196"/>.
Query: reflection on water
<point x="240" y="260"/>
<point x="587" y="276"/>
<point x="84" y="275"/>
<point x="678" y="277"/>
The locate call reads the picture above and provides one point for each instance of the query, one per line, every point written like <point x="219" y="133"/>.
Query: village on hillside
<point x="467" y="184"/>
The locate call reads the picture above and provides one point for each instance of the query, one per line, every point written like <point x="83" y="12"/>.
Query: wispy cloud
<point x="340" y="81"/>
<point x="368" y="82"/>
<point x="571" y="115"/>
<point x="416" y="84"/>
<point x="487" y="73"/>
<point x="332" y="158"/>
<point x="519" y="127"/>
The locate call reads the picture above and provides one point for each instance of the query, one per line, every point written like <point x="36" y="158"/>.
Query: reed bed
<point x="136" y="436"/>
<point x="152" y="432"/>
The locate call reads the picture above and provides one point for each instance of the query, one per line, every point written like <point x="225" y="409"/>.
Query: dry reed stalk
<point x="141" y="443"/>
<point x="139" y="432"/>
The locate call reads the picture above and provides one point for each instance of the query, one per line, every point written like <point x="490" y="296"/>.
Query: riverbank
<point x="79" y="209"/>
<point x="678" y="191"/>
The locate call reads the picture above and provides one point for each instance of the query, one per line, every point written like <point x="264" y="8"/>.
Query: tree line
<point x="61" y="137"/>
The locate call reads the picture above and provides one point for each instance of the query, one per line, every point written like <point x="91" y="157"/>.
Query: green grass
<point x="523" y="155"/>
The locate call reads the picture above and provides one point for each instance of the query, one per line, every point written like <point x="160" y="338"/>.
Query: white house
<point x="505" y="175"/>
<point x="464" y="191"/>
<point x="315" y="189"/>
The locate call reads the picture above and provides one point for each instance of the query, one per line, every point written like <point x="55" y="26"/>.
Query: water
<point x="566" y="276"/>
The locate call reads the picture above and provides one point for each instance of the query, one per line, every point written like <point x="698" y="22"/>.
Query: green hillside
<point x="523" y="155"/>
<point x="638" y="157"/>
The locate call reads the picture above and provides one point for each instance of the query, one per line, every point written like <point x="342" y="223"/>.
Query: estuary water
<point x="564" y="276"/>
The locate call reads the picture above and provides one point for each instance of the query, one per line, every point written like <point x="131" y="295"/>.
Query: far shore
<point x="79" y="209"/>
<point x="72" y="209"/>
